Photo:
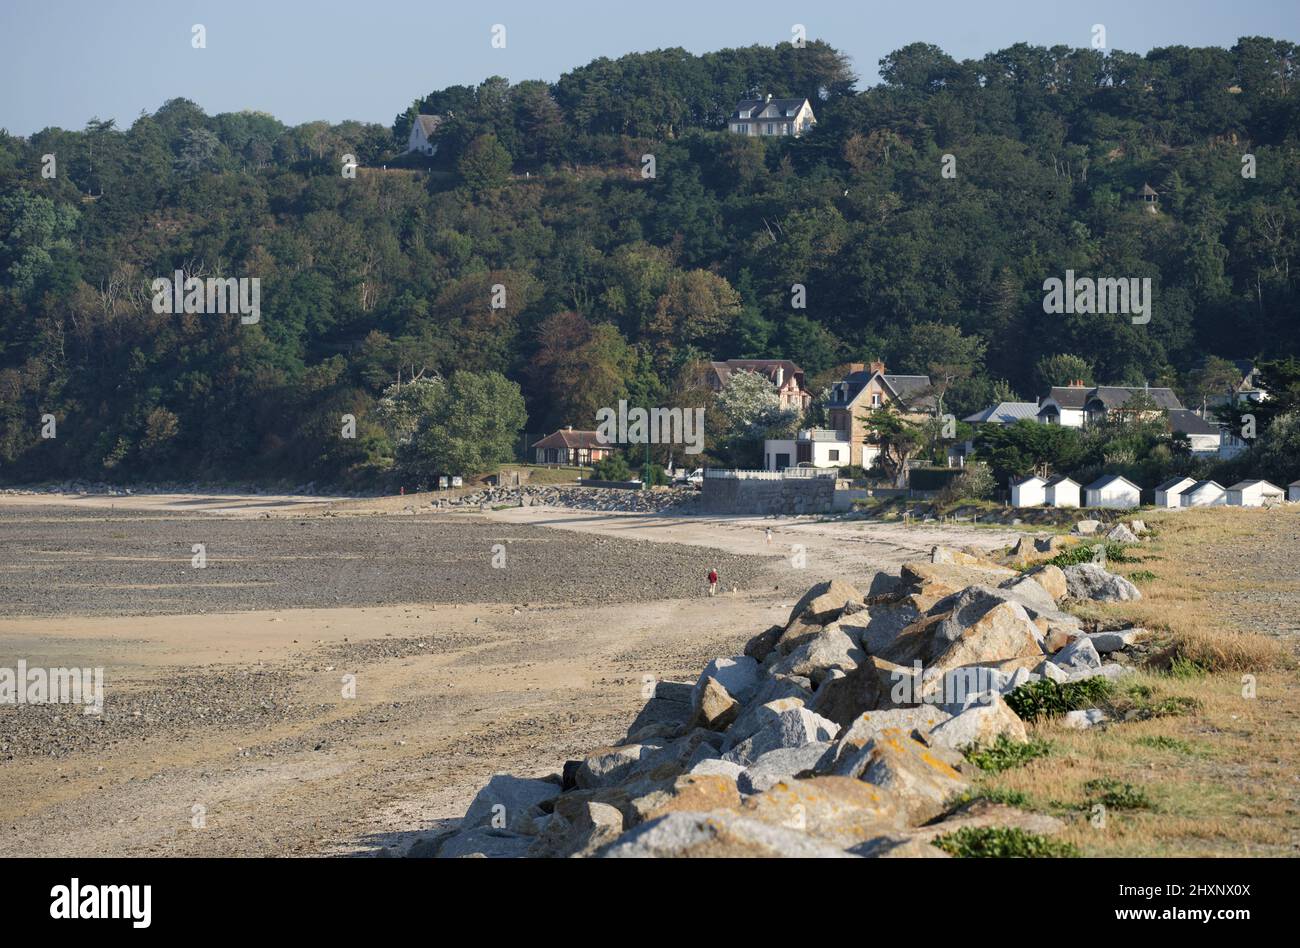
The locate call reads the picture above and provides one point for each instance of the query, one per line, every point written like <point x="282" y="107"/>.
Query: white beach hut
<point x="1028" y="493"/>
<point x="1062" y="492"/>
<point x="1169" y="494"/>
<point x="1254" y="493"/>
<point x="1204" y="494"/>
<point x="1112" y="491"/>
<point x="1293" y="491"/>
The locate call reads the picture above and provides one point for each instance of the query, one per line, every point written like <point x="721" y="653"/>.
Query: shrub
<point x="1004" y="753"/>
<point x="612" y="468"/>
<point x="1115" y="795"/>
<point x="1047" y="698"/>
<point x="1084" y="553"/>
<point x="1001" y="842"/>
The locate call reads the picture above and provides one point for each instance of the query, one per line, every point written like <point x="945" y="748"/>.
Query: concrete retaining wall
<point x="785" y="496"/>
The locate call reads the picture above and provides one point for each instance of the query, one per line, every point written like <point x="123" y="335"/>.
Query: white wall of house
<point x="1028" y="493"/>
<point x="1204" y="445"/>
<point x="1070" y="417"/>
<point x="1064" y="494"/>
<point x="1207" y="495"/>
<point x="1293" y="492"/>
<point x="416" y="140"/>
<point x="1258" y="494"/>
<point x="1115" y="495"/>
<point x="778" y="454"/>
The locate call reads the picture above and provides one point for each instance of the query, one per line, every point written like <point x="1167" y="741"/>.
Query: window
<point x="833" y="454"/>
<point x="875" y="399"/>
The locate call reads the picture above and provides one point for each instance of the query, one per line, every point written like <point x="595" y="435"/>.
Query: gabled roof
<point x="428" y="123"/>
<point x="1181" y="483"/>
<point x="1028" y="480"/>
<point x="1295" y="483"/>
<point x="913" y="391"/>
<point x="1202" y="485"/>
<point x="1242" y="485"/>
<point x="1183" y="421"/>
<point x="1109" y="479"/>
<point x="1062" y="479"/>
<point x="568" y="438"/>
<point x="1005" y="413"/>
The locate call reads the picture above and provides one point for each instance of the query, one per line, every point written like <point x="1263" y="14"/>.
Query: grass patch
<point x="1048" y="699"/>
<point x="1141" y="702"/>
<point x="1142" y="576"/>
<point x="1001" y="842"/>
<point x="1164" y="742"/>
<point x="1017" y="798"/>
<point x="1004" y="754"/>
<point x="1116" y="795"/>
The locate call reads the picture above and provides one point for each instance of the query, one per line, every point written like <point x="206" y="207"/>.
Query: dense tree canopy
<point x="532" y="248"/>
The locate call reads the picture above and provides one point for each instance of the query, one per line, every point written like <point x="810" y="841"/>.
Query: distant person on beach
<point x="769" y="536"/>
<point x="713" y="582"/>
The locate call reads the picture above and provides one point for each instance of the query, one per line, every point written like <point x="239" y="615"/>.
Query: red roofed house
<point x="571" y="448"/>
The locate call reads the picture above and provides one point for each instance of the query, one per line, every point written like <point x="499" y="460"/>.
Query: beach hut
<point x="1062" y="492"/>
<point x="1169" y="494"/>
<point x="1028" y="493"/>
<point x="1204" y="494"/>
<point x="1112" y="491"/>
<point x="1254" y="493"/>
<point x="1293" y="491"/>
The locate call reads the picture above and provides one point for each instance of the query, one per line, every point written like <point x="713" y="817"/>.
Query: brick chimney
<point x="878" y="366"/>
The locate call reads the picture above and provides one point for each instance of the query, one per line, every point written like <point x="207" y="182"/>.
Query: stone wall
<point x="768" y="495"/>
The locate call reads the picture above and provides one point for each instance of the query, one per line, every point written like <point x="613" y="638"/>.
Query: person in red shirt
<point x="713" y="582"/>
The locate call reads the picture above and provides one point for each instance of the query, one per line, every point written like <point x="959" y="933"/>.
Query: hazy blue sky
<point x="64" y="61"/>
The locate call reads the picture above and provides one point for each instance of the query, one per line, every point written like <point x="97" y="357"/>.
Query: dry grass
<point x="1219" y="766"/>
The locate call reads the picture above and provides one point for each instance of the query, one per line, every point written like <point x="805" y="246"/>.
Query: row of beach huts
<point x="1119" y="492"/>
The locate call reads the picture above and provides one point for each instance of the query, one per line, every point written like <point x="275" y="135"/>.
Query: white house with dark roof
<point x="1170" y="493"/>
<point x="1204" y="494"/>
<point x="1028" y="492"/>
<point x="769" y="116"/>
<point x="1078" y="405"/>
<point x="1112" y="491"/>
<point x="424" y="130"/>
<point x="1062" y="492"/>
<point x="1254" y="493"/>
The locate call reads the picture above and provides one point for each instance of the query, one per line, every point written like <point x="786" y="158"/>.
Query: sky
<point x="63" y="62"/>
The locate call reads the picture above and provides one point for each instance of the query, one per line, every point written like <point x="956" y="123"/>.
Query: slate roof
<point x="1188" y="422"/>
<point x="750" y="108"/>
<point x="1069" y="396"/>
<point x="913" y="391"/>
<point x="1115" y="396"/>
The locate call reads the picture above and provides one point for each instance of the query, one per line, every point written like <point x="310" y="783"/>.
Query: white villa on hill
<point x="769" y="116"/>
<point x="423" y="131"/>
